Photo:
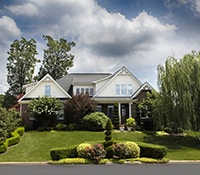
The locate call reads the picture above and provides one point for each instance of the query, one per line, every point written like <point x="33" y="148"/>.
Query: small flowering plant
<point x="96" y="152"/>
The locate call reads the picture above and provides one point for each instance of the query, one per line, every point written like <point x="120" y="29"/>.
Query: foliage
<point x="95" y="121"/>
<point x="116" y="116"/>
<point x="45" y="110"/>
<point x="179" y="85"/>
<point x="120" y="150"/>
<point x="108" y="134"/>
<point x="61" y="153"/>
<point x="96" y="152"/>
<point x="77" y="160"/>
<point x="124" y="150"/>
<point x="13" y="140"/>
<point x="57" y="60"/>
<point x="81" y="149"/>
<point x="9" y="121"/>
<point x="8" y="100"/>
<point x="130" y="122"/>
<point x="77" y="107"/>
<point x="21" y="64"/>
<point x="133" y="148"/>
<point x="148" y="108"/>
<point x="152" y="151"/>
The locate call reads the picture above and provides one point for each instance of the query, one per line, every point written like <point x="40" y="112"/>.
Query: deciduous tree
<point x="57" y="59"/>
<point x="21" y="64"/>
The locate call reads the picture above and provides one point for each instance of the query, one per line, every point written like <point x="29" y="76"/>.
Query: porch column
<point x="119" y="111"/>
<point x="130" y="110"/>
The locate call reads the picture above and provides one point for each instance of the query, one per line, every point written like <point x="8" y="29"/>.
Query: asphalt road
<point x="115" y="169"/>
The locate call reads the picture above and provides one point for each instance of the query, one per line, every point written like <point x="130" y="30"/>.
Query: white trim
<point x="113" y="76"/>
<point x="135" y="94"/>
<point x="47" y="77"/>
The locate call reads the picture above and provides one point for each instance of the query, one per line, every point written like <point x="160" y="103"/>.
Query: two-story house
<point x="121" y="87"/>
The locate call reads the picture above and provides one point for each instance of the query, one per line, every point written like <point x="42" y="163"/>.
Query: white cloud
<point x="27" y="9"/>
<point x="104" y="41"/>
<point x="8" y="29"/>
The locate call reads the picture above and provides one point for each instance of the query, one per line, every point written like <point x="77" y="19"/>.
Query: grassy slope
<point x="35" y="146"/>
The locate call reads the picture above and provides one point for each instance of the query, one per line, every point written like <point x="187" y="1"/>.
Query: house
<point x="121" y="88"/>
<point x="47" y="86"/>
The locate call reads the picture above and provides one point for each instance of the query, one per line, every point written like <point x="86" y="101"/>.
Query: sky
<point x="109" y="34"/>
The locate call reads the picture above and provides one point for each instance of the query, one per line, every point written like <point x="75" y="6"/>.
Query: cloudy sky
<point x="109" y="34"/>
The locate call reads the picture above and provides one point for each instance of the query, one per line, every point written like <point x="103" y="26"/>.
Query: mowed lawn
<point x="35" y="146"/>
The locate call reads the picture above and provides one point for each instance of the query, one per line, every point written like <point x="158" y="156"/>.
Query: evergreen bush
<point x="95" y="121"/>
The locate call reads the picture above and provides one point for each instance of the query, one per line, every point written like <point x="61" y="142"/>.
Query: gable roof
<point x="123" y="70"/>
<point x="80" y="78"/>
<point x="146" y="86"/>
<point x="47" y="77"/>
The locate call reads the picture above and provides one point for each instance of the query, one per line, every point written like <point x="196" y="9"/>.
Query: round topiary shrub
<point x="95" y="121"/>
<point x="134" y="149"/>
<point x="81" y="149"/>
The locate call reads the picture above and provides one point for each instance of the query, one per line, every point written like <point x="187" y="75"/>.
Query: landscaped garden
<point x="35" y="146"/>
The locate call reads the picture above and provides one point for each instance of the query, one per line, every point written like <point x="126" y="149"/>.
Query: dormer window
<point x="48" y="90"/>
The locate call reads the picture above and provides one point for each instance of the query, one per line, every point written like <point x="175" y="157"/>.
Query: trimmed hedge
<point x="62" y="153"/>
<point x="152" y="151"/>
<point x="145" y="149"/>
<point x="12" y="140"/>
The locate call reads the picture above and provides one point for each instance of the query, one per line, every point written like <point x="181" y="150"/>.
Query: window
<point x="99" y="108"/>
<point x="91" y="91"/>
<point x="117" y="89"/>
<point x="47" y="90"/>
<point x="77" y="91"/>
<point x="123" y="89"/>
<point x="110" y="109"/>
<point x="130" y="89"/>
<point x="87" y="91"/>
<point x="82" y="90"/>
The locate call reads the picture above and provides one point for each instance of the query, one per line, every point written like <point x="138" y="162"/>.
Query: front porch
<point x="124" y="110"/>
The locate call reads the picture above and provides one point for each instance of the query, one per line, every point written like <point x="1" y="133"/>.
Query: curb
<point x="46" y="163"/>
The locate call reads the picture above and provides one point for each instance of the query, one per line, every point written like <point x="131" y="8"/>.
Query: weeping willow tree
<point x="179" y="86"/>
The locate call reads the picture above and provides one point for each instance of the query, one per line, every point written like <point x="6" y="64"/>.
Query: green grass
<point x="35" y="146"/>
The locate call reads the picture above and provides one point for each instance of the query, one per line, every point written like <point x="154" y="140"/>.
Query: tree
<point x="45" y="110"/>
<point x="77" y="107"/>
<point x="57" y="60"/>
<point x="116" y="116"/>
<point x="21" y="64"/>
<point x="179" y="85"/>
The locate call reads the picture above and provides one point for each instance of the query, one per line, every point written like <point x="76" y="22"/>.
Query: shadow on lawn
<point x="173" y="141"/>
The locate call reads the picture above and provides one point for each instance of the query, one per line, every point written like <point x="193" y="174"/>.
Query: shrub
<point x="60" y="127"/>
<point x="115" y="120"/>
<point x="152" y="151"/>
<point x="134" y="149"/>
<point x="125" y="150"/>
<point x="14" y="139"/>
<point x="61" y="153"/>
<point x="77" y="107"/>
<point x="95" y="153"/>
<point x="95" y="121"/>
<point x="20" y="131"/>
<point x="45" y="110"/>
<point x="81" y="149"/>
<point x="120" y="151"/>
<point x="73" y="161"/>
<point x="109" y="151"/>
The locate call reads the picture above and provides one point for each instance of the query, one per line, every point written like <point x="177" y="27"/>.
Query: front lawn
<point x="35" y="146"/>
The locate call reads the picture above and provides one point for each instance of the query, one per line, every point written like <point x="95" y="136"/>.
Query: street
<point x="116" y="169"/>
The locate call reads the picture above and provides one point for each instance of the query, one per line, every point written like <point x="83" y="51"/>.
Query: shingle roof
<point x="80" y="78"/>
